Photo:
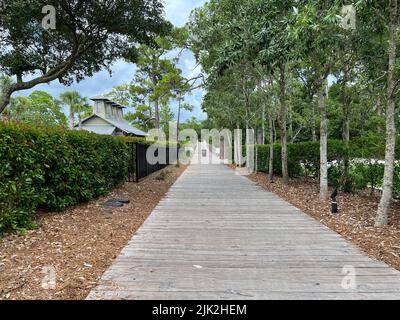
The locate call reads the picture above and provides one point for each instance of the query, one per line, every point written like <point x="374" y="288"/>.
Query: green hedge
<point x="52" y="168"/>
<point x="302" y="152"/>
<point x="303" y="160"/>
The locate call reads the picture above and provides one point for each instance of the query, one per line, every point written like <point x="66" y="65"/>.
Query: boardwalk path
<point x="216" y="235"/>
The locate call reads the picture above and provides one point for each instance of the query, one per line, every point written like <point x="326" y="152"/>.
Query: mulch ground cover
<point x="77" y="245"/>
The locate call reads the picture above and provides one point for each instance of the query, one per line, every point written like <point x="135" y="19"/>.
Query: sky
<point x="177" y="11"/>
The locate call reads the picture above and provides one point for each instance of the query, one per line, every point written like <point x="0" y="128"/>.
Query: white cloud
<point x="178" y="11"/>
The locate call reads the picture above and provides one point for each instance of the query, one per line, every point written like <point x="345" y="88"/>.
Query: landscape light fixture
<point x="334" y="205"/>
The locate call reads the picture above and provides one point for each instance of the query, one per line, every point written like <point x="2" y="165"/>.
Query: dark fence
<point x="143" y="163"/>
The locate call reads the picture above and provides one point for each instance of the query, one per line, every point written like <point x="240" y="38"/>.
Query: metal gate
<point x="142" y="164"/>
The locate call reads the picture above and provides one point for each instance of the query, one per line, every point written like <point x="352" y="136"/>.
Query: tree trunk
<point x="379" y="107"/>
<point x="271" y="150"/>
<point x="157" y="114"/>
<point x="5" y="99"/>
<point x="259" y="136"/>
<point x="238" y="152"/>
<point x="313" y="125"/>
<point x="177" y="127"/>
<point x="323" y="142"/>
<point x="345" y="107"/>
<point x="290" y="123"/>
<point x="79" y="121"/>
<point x="150" y="113"/>
<point x="346" y="129"/>
<point x="382" y="214"/>
<point x="283" y="123"/>
<point x="71" y="118"/>
<point x="263" y="125"/>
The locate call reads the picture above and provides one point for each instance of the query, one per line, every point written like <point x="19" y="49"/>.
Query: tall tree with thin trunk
<point x="382" y="214"/>
<point x="323" y="147"/>
<point x="317" y="31"/>
<point x="283" y="123"/>
<point x="271" y="149"/>
<point x="71" y="99"/>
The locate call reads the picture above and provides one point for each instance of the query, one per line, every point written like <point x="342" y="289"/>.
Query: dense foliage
<point x="39" y="108"/>
<point x="51" y="168"/>
<point x="366" y="166"/>
<point x="88" y="36"/>
<point x="301" y="71"/>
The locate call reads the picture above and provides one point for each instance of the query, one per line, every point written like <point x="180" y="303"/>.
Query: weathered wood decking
<point x="217" y="235"/>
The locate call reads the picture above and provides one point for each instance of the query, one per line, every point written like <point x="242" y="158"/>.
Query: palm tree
<point x="83" y="109"/>
<point x="18" y="107"/>
<point x="71" y="99"/>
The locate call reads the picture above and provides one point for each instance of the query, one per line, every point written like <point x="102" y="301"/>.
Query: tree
<point x="73" y="100"/>
<point x="83" y="109"/>
<point x="19" y="109"/>
<point x="5" y="83"/>
<point x="87" y="38"/>
<point x="136" y="97"/>
<point x="39" y="108"/>
<point x="225" y="33"/>
<point x="194" y="124"/>
<point x="157" y="80"/>
<point x="155" y="69"/>
<point x="392" y="80"/>
<point x="166" y="116"/>
<point x="316" y="34"/>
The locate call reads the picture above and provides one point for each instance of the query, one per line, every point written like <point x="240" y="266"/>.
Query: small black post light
<point x="334" y="206"/>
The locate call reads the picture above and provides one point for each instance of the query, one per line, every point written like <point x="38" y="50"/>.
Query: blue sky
<point x="177" y="11"/>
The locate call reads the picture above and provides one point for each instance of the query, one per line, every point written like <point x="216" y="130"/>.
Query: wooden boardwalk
<point x="217" y="235"/>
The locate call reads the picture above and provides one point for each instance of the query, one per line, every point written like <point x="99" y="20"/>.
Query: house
<point x="108" y="119"/>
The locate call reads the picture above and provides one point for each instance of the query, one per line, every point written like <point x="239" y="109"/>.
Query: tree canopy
<point x="296" y="66"/>
<point x="89" y="36"/>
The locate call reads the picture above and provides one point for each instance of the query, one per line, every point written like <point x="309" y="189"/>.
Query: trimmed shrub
<point x="303" y="157"/>
<point x="52" y="168"/>
<point x="364" y="171"/>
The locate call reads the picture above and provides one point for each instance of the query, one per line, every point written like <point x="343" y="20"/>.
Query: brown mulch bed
<point x="355" y="220"/>
<point x="80" y="243"/>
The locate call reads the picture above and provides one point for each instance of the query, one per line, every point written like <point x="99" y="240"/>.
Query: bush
<point x="303" y="157"/>
<point x="52" y="168"/>
<point x="303" y="160"/>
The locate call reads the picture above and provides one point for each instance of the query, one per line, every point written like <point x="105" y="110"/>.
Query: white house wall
<point x="98" y="125"/>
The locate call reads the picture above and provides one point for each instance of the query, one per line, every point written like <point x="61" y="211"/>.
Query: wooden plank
<point x="217" y="235"/>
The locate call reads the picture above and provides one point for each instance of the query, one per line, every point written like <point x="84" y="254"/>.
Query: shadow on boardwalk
<point x="216" y="235"/>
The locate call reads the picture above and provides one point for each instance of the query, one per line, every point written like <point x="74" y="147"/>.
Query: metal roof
<point x="107" y="100"/>
<point x="121" y="124"/>
<point x="99" y="98"/>
<point x="126" y="126"/>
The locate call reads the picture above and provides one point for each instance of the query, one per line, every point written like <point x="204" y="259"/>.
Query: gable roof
<point x="121" y="124"/>
<point x="126" y="127"/>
